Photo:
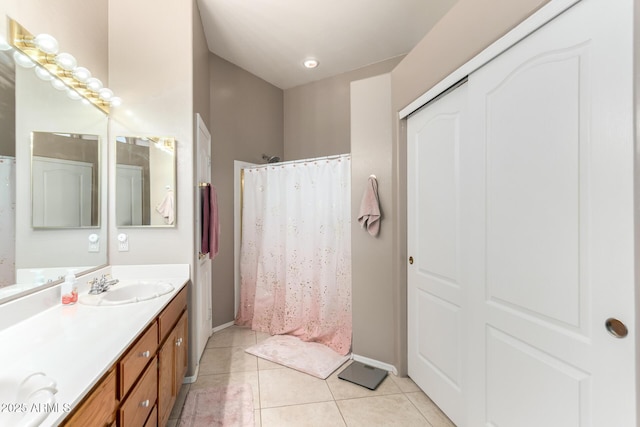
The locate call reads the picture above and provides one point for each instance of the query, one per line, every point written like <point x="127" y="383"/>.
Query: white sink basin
<point x="26" y="398"/>
<point x="127" y="293"/>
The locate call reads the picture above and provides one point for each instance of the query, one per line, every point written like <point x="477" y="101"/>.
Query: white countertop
<point x="76" y="345"/>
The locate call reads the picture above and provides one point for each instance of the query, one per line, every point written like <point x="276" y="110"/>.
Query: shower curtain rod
<point x="315" y="159"/>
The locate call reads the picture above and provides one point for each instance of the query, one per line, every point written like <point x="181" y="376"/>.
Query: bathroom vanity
<point x="141" y="388"/>
<point x="118" y="364"/>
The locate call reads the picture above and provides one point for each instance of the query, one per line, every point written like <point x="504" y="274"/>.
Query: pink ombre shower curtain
<point x="295" y="260"/>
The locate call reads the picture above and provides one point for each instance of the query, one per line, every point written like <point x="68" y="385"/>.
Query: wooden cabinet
<point x="137" y="358"/>
<point x="172" y="358"/>
<point x="182" y="333"/>
<point x="152" y="421"/>
<point x="140" y="403"/>
<point x="142" y="386"/>
<point x="99" y="408"/>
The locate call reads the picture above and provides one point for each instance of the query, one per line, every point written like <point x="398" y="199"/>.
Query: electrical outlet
<point x="123" y="242"/>
<point x="94" y="243"/>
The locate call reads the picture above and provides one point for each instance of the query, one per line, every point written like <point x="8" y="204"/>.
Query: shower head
<point x="271" y="159"/>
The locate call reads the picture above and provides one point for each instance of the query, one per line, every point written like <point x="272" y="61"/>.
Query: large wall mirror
<point x="145" y="181"/>
<point x="43" y="129"/>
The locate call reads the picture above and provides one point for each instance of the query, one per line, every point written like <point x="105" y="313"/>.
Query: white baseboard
<point x="192" y="379"/>
<point x="375" y="363"/>
<point x="221" y="327"/>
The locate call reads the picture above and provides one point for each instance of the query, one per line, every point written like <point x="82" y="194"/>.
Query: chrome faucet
<point x="102" y="284"/>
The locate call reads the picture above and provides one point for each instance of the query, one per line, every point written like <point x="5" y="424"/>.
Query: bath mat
<point x="218" y="406"/>
<point x="309" y="357"/>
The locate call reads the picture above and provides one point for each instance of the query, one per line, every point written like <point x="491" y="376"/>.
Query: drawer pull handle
<point x="144" y="403"/>
<point x="179" y="342"/>
<point x="145" y="354"/>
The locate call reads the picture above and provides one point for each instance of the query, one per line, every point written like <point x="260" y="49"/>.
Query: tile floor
<point x="285" y="397"/>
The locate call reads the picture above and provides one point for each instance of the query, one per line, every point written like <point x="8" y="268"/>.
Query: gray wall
<point x="201" y="82"/>
<point x="246" y="121"/>
<point x="65" y="20"/>
<point x="159" y="92"/>
<point x="372" y="279"/>
<point x="317" y="115"/>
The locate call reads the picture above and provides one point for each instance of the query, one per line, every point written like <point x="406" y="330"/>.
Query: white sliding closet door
<point x="435" y="293"/>
<point x="549" y="174"/>
<point x="521" y="228"/>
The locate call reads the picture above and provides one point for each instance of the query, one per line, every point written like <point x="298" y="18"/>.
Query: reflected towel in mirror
<point x="166" y="208"/>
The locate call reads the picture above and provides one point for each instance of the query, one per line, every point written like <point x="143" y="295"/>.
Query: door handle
<point x="616" y="327"/>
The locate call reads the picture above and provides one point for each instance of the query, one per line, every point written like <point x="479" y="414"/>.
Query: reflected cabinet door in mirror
<point x="64" y="180"/>
<point x="145" y="181"/>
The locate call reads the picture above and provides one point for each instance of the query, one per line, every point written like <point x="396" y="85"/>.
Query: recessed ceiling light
<point x="311" y="63"/>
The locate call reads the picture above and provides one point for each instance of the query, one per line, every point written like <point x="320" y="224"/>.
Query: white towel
<point x="166" y="208"/>
<point x="369" y="215"/>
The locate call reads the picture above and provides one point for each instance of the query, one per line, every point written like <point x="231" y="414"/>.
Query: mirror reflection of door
<point x="145" y="181"/>
<point x="61" y="193"/>
<point x="64" y="180"/>
<point x="129" y="179"/>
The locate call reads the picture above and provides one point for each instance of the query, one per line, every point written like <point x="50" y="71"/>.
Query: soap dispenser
<point x="69" y="289"/>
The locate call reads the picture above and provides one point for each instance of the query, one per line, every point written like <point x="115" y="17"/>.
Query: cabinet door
<point x="166" y="382"/>
<point x="182" y="333"/>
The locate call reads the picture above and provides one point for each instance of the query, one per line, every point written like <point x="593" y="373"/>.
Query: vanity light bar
<point x="62" y="65"/>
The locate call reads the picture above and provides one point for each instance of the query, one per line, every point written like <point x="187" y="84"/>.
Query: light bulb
<point x="115" y="101"/>
<point x="4" y="46"/>
<point x="66" y="61"/>
<point x="105" y="94"/>
<point x="23" y="60"/>
<point x="58" y="84"/>
<point x="72" y="94"/>
<point x="43" y="74"/>
<point x="94" y="84"/>
<point x="46" y="43"/>
<point x="81" y="74"/>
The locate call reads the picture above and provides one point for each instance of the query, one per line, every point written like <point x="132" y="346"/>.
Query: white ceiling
<point x="271" y="38"/>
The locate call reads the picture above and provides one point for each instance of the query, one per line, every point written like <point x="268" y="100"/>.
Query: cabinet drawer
<point x="99" y="408"/>
<point x="170" y="315"/>
<point x="138" y="356"/>
<point x="152" y="421"/>
<point x="136" y="408"/>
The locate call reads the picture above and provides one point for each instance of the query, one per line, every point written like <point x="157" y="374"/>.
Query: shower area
<point x="295" y="250"/>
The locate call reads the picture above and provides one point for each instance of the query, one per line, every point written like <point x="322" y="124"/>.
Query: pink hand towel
<point x="369" y="215"/>
<point x="214" y="224"/>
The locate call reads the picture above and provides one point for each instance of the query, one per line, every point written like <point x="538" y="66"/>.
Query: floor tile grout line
<point x="419" y="411"/>
<point x="258" y="370"/>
